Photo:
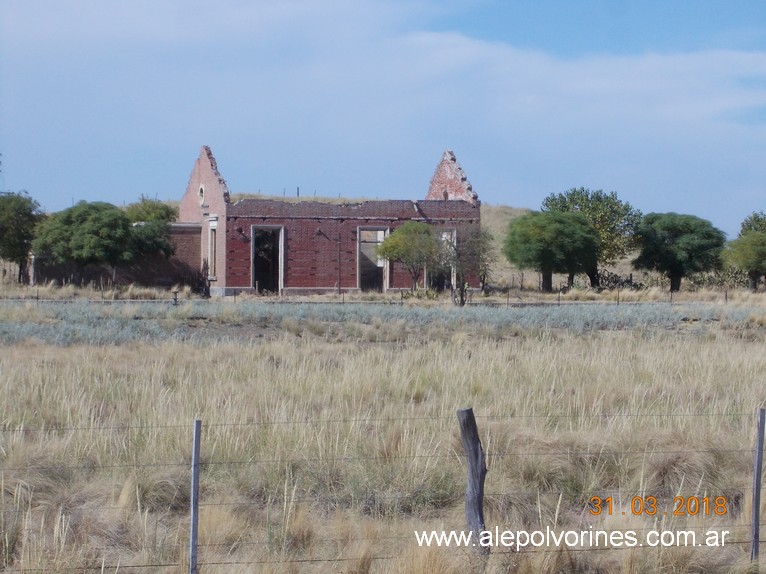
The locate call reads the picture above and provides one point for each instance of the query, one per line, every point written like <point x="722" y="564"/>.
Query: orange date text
<point x="648" y="506"/>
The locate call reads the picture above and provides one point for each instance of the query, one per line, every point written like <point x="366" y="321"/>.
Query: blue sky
<point x="662" y="102"/>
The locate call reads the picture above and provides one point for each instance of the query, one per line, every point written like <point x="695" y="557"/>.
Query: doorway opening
<point x="267" y="259"/>
<point x="443" y="278"/>
<point x="373" y="270"/>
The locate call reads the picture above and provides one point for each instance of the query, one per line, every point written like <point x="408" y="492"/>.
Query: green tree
<point x="756" y="221"/>
<point x="414" y="245"/>
<point x="146" y="210"/>
<point x="748" y="253"/>
<point x="19" y="214"/>
<point x="677" y="244"/>
<point x="87" y="233"/>
<point x="614" y="220"/>
<point x="151" y="238"/>
<point x="151" y="226"/>
<point x="470" y="255"/>
<point x="552" y="242"/>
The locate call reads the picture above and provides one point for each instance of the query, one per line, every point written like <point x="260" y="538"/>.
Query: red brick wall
<point x="204" y="175"/>
<point x="311" y="231"/>
<point x="199" y="209"/>
<point x="186" y="238"/>
<point x="449" y="181"/>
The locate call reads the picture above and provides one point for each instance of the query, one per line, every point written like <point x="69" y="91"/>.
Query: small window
<point x="201" y="195"/>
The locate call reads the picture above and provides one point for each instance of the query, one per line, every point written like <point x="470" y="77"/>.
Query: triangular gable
<point x="206" y="191"/>
<point x="450" y="182"/>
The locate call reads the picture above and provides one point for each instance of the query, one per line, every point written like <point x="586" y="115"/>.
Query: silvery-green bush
<point x="119" y="323"/>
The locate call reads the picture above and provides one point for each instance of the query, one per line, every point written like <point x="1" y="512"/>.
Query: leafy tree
<point x="614" y="220"/>
<point x="146" y="210"/>
<point x="151" y="226"/>
<point x="756" y="221"/>
<point x="414" y="245"/>
<point x="471" y="255"/>
<point x="87" y="233"/>
<point x="748" y="252"/>
<point x="100" y="233"/>
<point x="677" y="244"/>
<point x="552" y="242"/>
<point x="150" y="238"/>
<point x="19" y="214"/>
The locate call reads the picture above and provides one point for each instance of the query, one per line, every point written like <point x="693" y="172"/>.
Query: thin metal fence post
<point x="755" y="533"/>
<point x="194" y="498"/>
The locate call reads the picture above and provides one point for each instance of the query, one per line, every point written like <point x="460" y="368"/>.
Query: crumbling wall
<point x="449" y="181"/>
<point x="315" y="233"/>
<point x="206" y="191"/>
<point x="205" y="202"/>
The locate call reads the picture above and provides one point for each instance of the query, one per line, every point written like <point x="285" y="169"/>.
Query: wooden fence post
<point x="755" y="530"/>
<point x="194" y="498"/>
<point x="477" y="471"/>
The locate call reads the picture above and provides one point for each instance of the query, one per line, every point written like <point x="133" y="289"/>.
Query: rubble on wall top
<point x="449" y="181"/>
<point x="214" y="166"/>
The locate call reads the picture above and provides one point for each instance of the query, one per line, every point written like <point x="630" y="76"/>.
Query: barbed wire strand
<point x="710" y="415"/>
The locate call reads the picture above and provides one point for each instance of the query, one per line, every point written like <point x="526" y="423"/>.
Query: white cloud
<point x="303" y="87"/>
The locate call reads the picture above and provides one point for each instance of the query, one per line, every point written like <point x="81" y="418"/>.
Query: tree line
<point x="582" y="231"/>
<point x="578" y="231"/>
<point x="86" y="233"/>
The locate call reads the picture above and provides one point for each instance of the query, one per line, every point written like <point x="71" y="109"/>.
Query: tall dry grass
<point x="335" y="441"/>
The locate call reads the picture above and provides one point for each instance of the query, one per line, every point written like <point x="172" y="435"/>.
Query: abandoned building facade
<point x="279" y="246"/>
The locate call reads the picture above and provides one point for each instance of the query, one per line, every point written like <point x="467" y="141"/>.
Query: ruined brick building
<point x="282" y="246"/>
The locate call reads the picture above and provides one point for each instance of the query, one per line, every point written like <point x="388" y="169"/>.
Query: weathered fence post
<point x="477" y="471"/>
<point x="194" y="498"/>
<point x="755" y="531"/>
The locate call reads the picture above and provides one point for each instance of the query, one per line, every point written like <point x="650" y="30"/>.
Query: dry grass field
<point x="329" y="432"/>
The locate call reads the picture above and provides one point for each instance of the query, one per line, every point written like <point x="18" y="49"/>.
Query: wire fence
<point x="248" y="549"/>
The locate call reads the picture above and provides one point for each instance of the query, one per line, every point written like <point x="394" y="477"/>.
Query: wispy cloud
<point x="361" y="97"/>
